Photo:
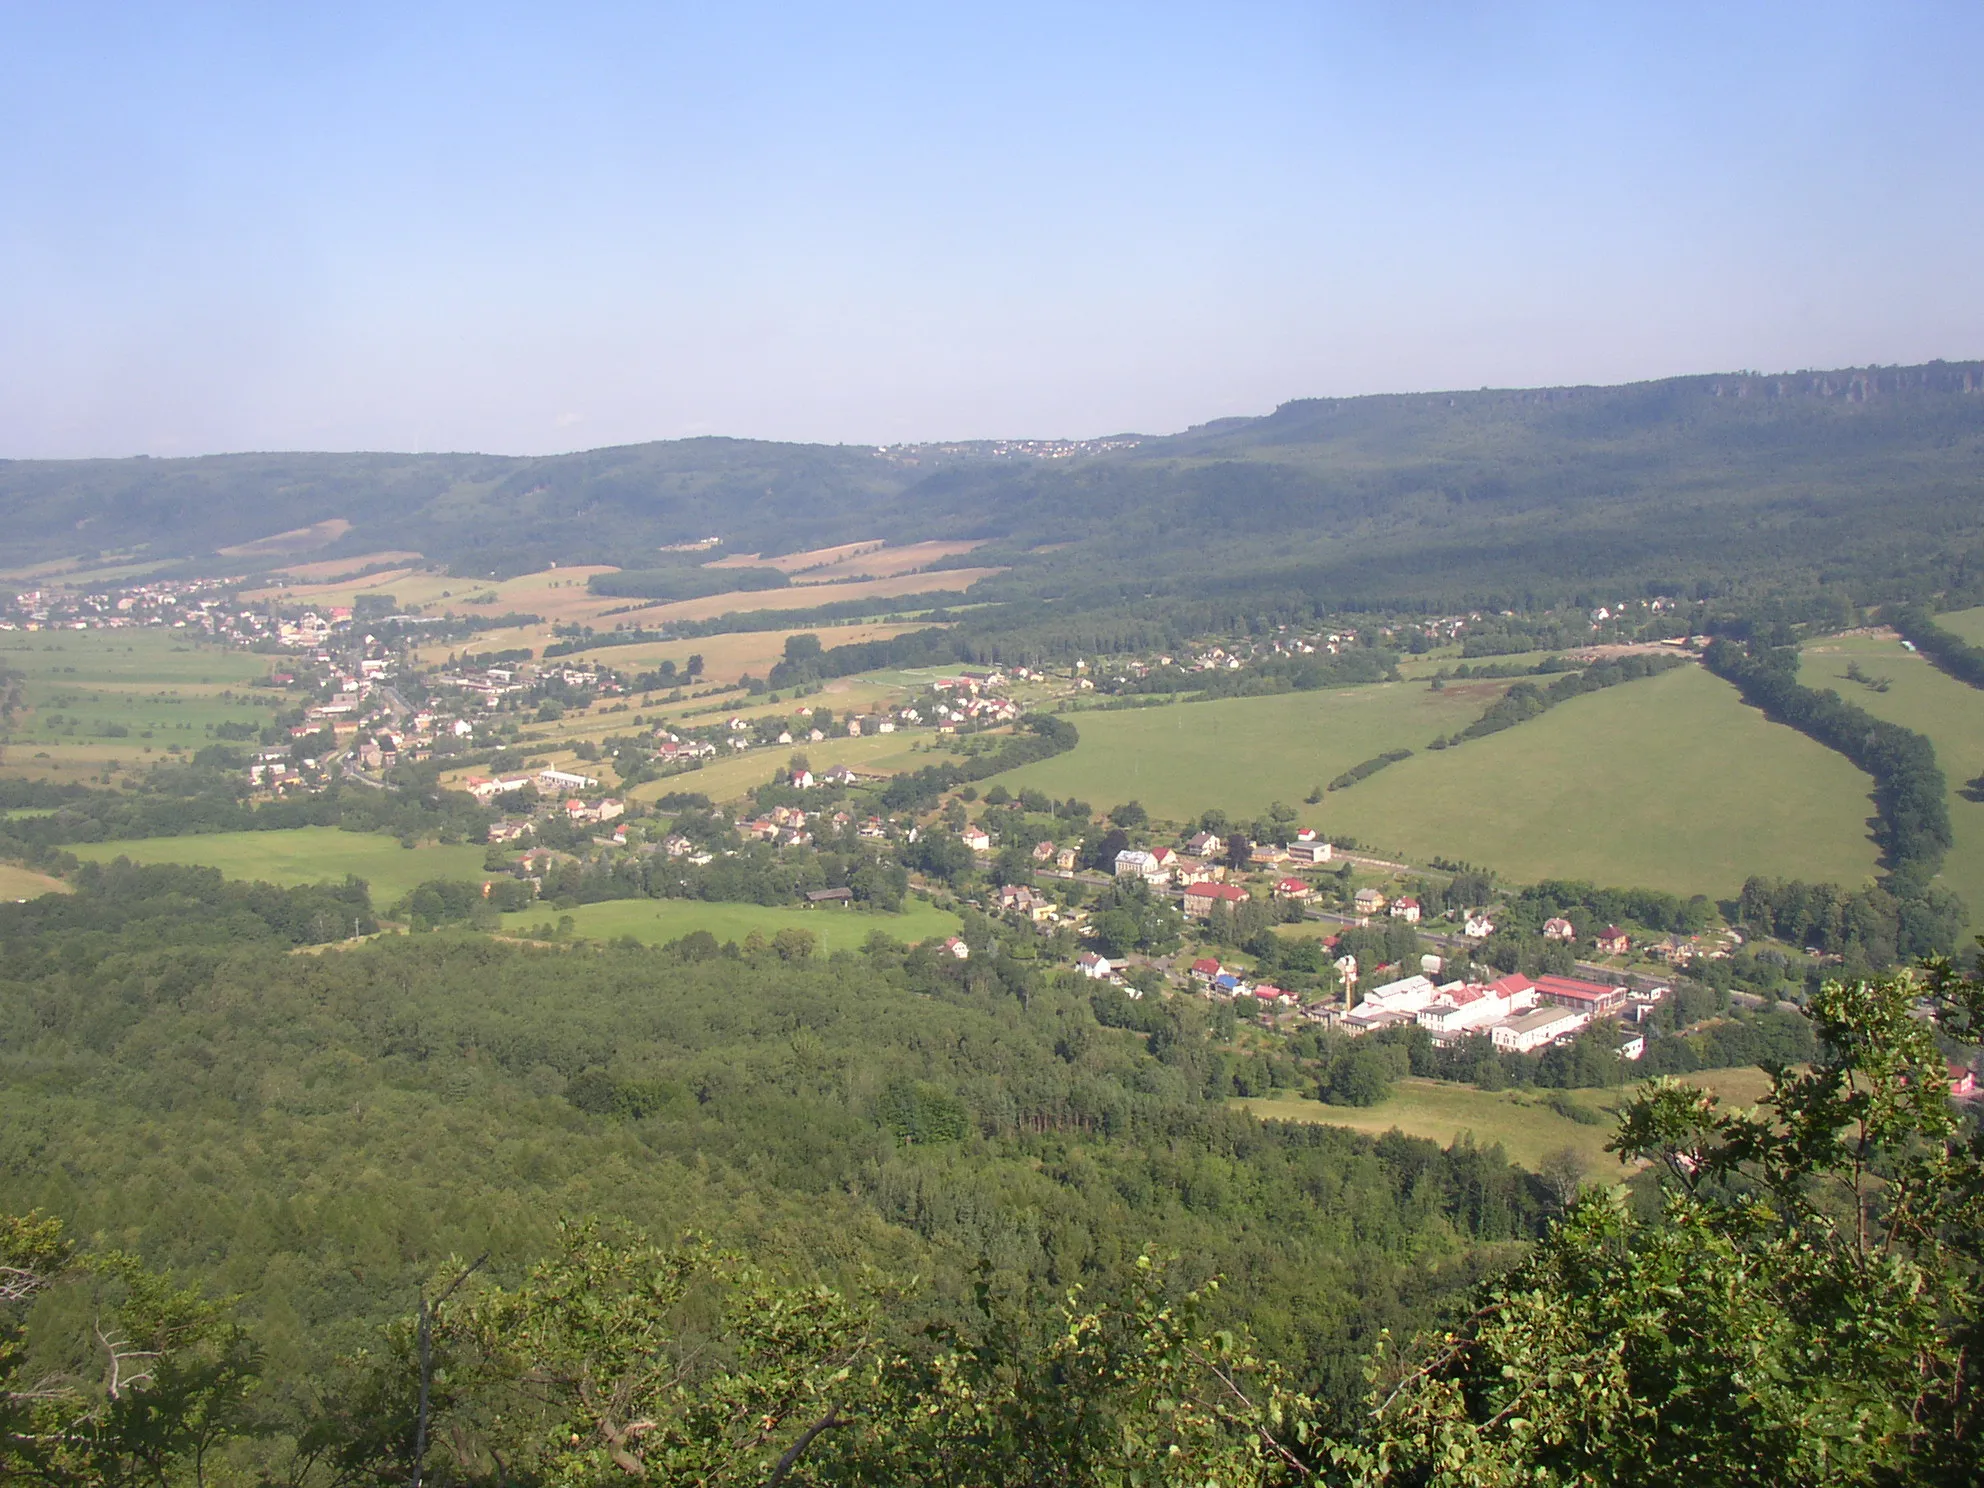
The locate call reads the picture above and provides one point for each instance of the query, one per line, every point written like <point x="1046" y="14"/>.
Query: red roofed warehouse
<point x="1592" y="998"/>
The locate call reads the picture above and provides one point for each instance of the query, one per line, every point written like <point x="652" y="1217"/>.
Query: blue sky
<point x="528" y="228"/>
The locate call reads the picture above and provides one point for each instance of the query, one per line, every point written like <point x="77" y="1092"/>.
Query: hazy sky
<point x="535" y="228"/>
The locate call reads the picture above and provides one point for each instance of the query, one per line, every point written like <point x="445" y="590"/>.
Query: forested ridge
<point x="1510" y="497"/>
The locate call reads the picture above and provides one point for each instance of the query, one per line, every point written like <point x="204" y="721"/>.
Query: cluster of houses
<point x="1516" y="1013"/>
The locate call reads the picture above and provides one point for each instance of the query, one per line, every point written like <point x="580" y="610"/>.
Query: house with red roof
<point x="1205" y="970"/>
<point x="1612" y="941"/>
<point x="1201" y="897"/>
<point x="1405" y="909"/>
<point x="1593" y="999"/>
<point x="1292" y="888"/>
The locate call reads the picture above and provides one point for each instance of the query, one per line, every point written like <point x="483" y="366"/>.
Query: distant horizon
<point x="517" y="230"/>
<point x="1430" y="392"/>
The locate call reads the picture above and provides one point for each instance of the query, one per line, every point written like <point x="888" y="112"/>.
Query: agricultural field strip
<point x="1920" y="696"/>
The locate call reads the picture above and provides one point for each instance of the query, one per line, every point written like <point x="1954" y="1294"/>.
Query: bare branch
<point x="793" y="1453"/>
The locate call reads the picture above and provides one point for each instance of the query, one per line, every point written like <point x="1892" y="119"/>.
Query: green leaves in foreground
<point x="1804" y="1308"/>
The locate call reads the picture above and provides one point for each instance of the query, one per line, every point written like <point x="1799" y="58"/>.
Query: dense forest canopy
<point x="1716" y="480"/>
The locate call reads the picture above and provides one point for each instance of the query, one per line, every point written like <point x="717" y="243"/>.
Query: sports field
<point x="303" y="855"/>
<point x="1239" y="754"/>
<point x="654" y="921"/>
<point x="1527" y="1129"/>
<point x="1669" y="783"/>
<point x="1921" y="697"/>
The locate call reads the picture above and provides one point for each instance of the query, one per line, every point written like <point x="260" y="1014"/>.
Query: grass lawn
<point x="1950" y="712"/>
<point x="1670" y="783"/>
<point x="17" y="882"/>
<point x="1239" y="754"/>
<point x="303" y="855"/>
<point x="654" y="921"/>
<point x="1526" y="1128"/>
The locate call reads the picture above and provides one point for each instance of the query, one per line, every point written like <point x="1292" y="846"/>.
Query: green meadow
<point x="1967" y="623"/>
<point x="132" y="692"/>
<point x="1239" y="754"/>
<point x="303" y="855"/>
<point x="1524" y="1126"/>
<point x="1670" y="782"/>
<point x="655" y="921"/>
<point x="1920" y="697"/>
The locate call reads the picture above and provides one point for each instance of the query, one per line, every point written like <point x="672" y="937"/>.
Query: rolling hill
<point x="1453" y="497"/>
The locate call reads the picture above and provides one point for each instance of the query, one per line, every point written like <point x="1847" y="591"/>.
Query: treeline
<point x="120" y="908"/>
<point x="1909" y="788"/>
<point x="1368" y="768"/>
<point x="685" y="581"/>
<point x="806" y="662"/>
<point x="195" y="802"/>
<point x="1948" y="650"/>
<point x="1526" y="700"/>
<point x="1868" y="928"/>
<point x="1042" y="736"/>
<point x="1358" y="664"/>
<point x="1590" y="908"/>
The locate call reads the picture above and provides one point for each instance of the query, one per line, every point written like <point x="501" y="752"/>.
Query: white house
<point x="564" y="780"/>
<point x="1134" y="862"/>
<point x="1477" y="925"/>
<point x="1093" y="965"/>
<point x="1536" y="1029"/>
<point x="975" y="839"/>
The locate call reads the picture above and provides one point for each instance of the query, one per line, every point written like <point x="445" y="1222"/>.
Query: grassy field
<point x="1667" y="783"/>
<point x="1527" y="1129"/>
<point x="1967" y="623"/>
<point x="654" y="921"/>
<point x="303" y="855"/>
<point x="159" y="687"/>
<point x="1241" y="753"/>
<point x="1950" y="712"/>
<point x="727" y="779"/>
<point x="1670" y="782"/>
<point x="17" y="882"/>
